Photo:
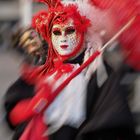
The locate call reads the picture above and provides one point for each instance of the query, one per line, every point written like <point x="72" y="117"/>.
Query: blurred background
<point x="16" y="15"/>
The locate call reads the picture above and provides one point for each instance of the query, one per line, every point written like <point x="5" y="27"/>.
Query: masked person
<point x="92" y="105"/>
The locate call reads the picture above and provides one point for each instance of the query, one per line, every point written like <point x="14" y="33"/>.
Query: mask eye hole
<point x="70" y="30"/>
<point x="56" y="32"/>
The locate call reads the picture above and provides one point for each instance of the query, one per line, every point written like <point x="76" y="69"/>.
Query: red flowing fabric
<point x="35" y="129"/>
<point x="122" y="11"/>
<point x="103" y="4"/>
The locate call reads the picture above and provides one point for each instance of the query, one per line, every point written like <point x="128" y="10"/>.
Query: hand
<point x="91" y="47"/>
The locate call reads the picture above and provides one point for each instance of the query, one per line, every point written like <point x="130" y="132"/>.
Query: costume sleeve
<point x="17" y="92"/>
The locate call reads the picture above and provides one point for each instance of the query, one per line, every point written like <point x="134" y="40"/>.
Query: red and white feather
<point x="121" y="12"/>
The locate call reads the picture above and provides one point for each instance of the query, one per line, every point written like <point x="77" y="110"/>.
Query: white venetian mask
<point x="65" y="38"/>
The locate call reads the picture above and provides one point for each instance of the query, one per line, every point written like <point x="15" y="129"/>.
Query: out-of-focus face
<point x="30" y="41"/>
<point x="65" y="38"/>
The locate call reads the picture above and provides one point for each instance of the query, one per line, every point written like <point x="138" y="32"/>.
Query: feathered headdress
<point x="58" y="13"/>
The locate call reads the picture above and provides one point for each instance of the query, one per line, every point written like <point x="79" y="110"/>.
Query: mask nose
<point x="63" y="38"/>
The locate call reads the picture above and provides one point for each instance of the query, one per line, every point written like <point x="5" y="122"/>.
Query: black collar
<point x="78" y="59"/>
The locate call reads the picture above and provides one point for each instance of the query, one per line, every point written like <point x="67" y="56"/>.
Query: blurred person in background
<point x="93" y="105"/>
<point x="27" y="43"/>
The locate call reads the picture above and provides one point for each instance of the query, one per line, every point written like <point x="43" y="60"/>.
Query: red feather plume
<point x="122" y="11"/>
